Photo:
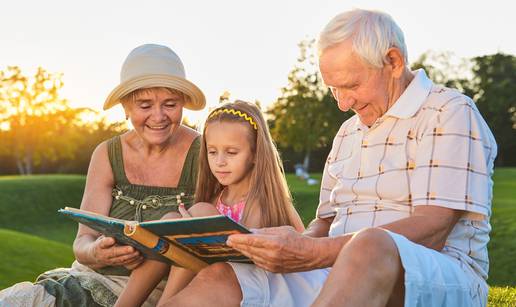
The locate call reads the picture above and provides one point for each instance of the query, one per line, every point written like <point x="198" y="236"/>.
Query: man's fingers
<point x="257" y="240"/>
<point x="263" y="262"/>
<point x="248" y="248"/>
<point x="254" y="252"/>
<point x="272" y="230"/>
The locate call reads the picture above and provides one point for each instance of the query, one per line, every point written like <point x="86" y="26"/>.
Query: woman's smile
<point x="160" y="127"/>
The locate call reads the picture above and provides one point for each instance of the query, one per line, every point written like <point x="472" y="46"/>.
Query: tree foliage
<point x="445" y="68"/>
<point x="37" y="126"/>
<point x="494" y="90"/>
<point x="32" y="114"/>
<point x="490" y="81"/>
<point x="305" y="117"/>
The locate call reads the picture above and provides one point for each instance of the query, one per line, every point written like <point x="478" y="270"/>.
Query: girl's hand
<point x="183" y="211"/>
<point x="106" y="252"/>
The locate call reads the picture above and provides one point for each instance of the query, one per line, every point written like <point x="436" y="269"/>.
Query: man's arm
<point x="319" y="227"/>
<point x="281" y="249"/>
<point x="428" y="226"/>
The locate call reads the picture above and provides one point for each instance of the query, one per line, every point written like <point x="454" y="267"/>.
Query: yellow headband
<point x="237" y="113"/>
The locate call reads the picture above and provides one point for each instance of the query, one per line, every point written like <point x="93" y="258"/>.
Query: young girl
<point x="240" y="176"/>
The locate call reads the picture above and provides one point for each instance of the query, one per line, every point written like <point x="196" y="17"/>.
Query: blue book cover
<point x="203" y="238"/>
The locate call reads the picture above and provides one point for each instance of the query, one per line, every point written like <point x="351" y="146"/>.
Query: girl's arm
<point x="90" y="248"/>
<point x="142" y="281"/>
<point x="297" y="223"/>
<point x="179" y="278"/>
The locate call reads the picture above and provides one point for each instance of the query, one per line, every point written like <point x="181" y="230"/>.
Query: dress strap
<point x="190" y="166"/>
<point x="116" y="160"/>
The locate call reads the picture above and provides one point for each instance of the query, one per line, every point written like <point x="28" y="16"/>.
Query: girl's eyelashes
<point x="228" y="152"/>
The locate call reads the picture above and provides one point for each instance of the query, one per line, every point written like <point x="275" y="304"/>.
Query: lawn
<point x="34" y="238"/>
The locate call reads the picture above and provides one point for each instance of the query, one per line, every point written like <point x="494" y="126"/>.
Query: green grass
<point x="502" y="247"/>
<point x="24" y="256"/>
<point x="306" y="197"/>
<point x="29" y="204"/>
<point x="502" y="296"/>
<point x="42" y="240"/>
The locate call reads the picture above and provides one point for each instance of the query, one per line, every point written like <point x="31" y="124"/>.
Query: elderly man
<point x="405" y="200"/>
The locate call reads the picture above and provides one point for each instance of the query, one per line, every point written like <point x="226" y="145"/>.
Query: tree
<point x="490" y="80"/>
<point x="93" y="129"/>
<point x="35" y="122"/>
<point x="305" y="117"/>
<point x="445" y="68"/>
<point x="494" y="90"/>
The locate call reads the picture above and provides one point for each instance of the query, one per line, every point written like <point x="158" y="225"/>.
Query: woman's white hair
<point x="372" y="34"/>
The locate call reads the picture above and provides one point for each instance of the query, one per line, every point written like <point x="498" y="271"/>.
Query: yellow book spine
<point x="168" y="250"/>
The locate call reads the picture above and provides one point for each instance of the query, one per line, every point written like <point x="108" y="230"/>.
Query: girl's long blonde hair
<point x="268" y="187"/>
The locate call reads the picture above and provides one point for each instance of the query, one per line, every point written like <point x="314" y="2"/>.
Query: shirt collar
<point x="413" y="97"/>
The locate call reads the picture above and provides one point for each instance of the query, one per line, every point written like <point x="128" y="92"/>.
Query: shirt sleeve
<point x="454" y="160"/>
<point x="324" y="209"/>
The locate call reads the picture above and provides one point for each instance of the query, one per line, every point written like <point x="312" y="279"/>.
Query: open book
<point x="192" y="243"/>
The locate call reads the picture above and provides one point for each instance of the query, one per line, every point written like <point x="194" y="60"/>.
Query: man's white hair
<point x="372" y="34"/>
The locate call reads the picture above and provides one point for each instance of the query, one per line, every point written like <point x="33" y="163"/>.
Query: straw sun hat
<point x="153" y="65"/>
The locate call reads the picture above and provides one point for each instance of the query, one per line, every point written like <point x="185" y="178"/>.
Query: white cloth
<point x="27" y="294"/>
<point x="432" y="279"/>
<point x="432" y="147"/>
<point x="436" y="279"/>
<point x="261" y="288"/>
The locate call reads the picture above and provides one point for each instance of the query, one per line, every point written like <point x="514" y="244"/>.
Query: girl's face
<point x="156" y="114"/>
<point x="229" y="152"/>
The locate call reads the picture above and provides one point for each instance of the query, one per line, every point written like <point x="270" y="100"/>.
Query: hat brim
<point x="195" y="99"/>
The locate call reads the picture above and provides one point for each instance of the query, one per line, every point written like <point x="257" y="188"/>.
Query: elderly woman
<point x="140" y="175"/>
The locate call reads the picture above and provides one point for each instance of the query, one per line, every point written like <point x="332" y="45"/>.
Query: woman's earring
<point x="126" y="117"/>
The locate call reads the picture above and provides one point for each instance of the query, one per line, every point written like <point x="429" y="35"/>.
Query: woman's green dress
<point x="81" y="286"/>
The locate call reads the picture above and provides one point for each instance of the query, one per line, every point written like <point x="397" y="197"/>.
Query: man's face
<point x="354" y="84"/>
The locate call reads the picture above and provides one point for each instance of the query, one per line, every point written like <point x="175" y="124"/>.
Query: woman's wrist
<point x="85" y="253"/>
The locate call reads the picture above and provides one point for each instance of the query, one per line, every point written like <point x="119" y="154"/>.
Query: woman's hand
<point x="105" y="251"/>
<point x="278" y="249"/>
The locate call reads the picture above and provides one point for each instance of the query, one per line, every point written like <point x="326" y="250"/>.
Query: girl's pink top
<point x="234" y="212"/>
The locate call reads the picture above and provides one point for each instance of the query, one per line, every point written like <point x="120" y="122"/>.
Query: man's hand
<point x="106" y="252"/>
<point x="278" y="249"/>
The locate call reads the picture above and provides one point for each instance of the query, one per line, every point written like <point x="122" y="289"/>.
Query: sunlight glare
<point x="5" y="126"/>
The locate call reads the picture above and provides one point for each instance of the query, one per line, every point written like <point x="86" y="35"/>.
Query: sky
<point x="244" y="47"/>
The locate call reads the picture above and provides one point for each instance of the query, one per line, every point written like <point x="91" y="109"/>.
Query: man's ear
<point x="396" y="61"/>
